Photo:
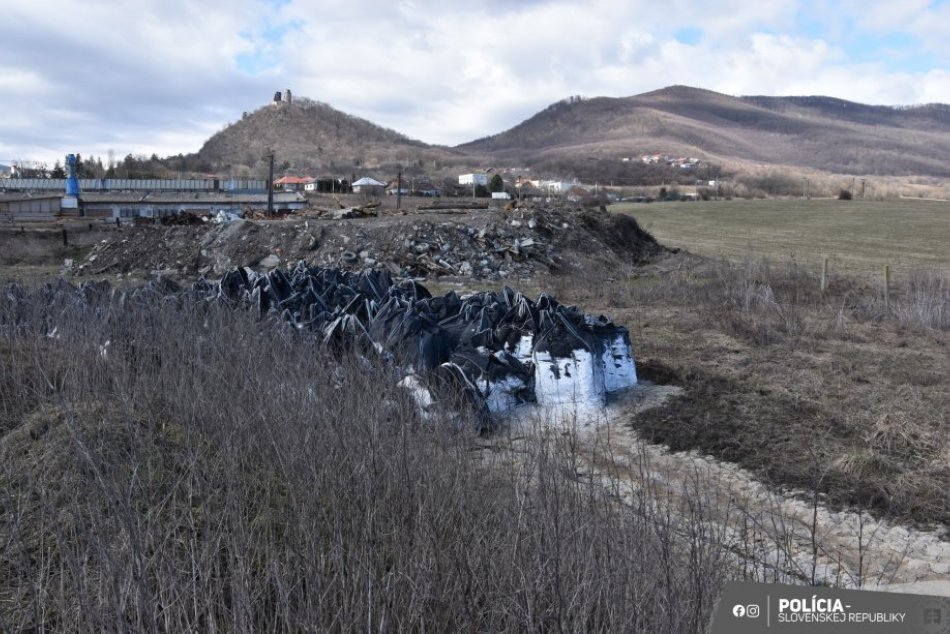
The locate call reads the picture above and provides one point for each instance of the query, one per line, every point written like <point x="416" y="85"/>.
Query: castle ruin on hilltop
<point x="283" y="98"/>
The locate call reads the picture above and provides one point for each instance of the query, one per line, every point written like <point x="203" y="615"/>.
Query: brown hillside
<point x="311" y="136"/>
<point x="818" y="133"/>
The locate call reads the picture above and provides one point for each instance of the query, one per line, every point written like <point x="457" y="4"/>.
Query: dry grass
<point x="859" y="237"/>
<point x="208" y="472"/>
<point x="790" y="382"/>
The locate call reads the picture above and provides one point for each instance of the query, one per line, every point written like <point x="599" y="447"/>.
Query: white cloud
<point x="146" y="76"/>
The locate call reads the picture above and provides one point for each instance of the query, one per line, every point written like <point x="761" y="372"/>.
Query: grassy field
<point x="857" y="236"/>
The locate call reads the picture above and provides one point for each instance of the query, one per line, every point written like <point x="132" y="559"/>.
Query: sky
<point x="161" y="76"/>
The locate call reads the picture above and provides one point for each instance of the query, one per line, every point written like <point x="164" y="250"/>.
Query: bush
<point x="204" y="470"/>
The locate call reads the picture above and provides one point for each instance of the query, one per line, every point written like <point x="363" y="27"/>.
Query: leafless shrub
<point x="755" y="302"/>
<point x="169" y="466"/>
<point x="925" y="302"/>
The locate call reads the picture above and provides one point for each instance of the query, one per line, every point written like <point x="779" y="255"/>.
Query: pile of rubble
<point x="494" y="244"/>
<point x="496" y="249"/>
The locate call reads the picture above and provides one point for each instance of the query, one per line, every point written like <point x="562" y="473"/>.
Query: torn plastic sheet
<point x="509" y="350"/>
<point x="497" y="378"/>
<point x="498" y="348"/>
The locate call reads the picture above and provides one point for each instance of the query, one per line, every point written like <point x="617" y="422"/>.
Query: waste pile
<point x="497" y="245"/>
<point x="500" y="349"/>
<point x="514" y="246"/>
<point x="491" y="244"/>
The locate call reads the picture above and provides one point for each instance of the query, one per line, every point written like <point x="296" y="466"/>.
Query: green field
<point x="857" y="236"/>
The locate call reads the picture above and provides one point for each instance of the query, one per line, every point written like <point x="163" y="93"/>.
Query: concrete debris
<point x="224" y="217"/>
<point x="493" y="244"/>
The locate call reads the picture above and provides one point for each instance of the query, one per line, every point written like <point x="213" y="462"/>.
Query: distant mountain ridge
<point x="821" y="133"/>
<point x="812" y="132"/>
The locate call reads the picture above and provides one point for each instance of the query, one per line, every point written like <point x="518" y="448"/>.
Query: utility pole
<point x="270" y="185"/>
<point x="399" y="189"/>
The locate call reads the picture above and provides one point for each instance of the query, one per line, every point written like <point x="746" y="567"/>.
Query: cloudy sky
<point x="161" y="76"/>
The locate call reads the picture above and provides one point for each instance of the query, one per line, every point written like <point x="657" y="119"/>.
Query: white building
<point x="473" y="179"/>
<point x="555" y="187"/>
<point x="6" y="171"/>
<point x="368" y="185"/>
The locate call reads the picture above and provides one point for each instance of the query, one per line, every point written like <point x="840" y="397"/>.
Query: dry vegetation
<point x="859" y="237"/>
<point x="829" y="392"/>
<point x="203" y="471"/>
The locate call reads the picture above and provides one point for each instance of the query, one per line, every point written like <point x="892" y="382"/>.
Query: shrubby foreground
<point x="179" y="466"/>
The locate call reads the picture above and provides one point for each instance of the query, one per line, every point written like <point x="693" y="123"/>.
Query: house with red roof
<point x="293" y="183"/>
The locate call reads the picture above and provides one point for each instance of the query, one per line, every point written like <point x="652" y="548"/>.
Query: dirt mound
<point x="622" y="235"/>
<point x="483" y="244"/>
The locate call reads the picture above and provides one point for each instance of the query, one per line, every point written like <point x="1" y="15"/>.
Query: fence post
<point x="65" y="239"/>
<point x="824" y="276"/>
<point x="887" y="287"/>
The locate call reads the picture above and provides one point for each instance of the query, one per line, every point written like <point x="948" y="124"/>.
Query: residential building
<point x="293" y="183"/>
<point x="367" y="185"/>
<point x="473" y="179"/>
<point x="555" y="187"/>
<point x="395" y="188"/>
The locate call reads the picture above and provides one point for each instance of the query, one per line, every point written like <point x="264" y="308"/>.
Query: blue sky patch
<point x="266" y="44"/>
<point x="688" y="35"/>
<point x="895" y="51"/>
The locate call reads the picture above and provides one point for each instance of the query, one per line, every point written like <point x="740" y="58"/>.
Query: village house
<point x="327" y="185"/>
<point x="473" y="179"/>
<point x="367" y="185"/>
<point x="394" y="188"/>
<point x="293" y="183"/>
